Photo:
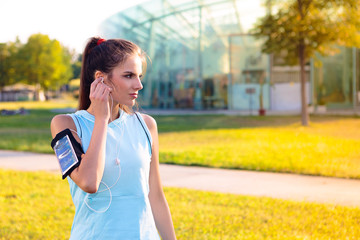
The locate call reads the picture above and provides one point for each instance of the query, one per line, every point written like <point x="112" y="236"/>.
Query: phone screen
<point x="65" y="154"/>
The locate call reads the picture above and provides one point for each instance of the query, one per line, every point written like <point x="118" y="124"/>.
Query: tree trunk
<point x="304" y="108"/>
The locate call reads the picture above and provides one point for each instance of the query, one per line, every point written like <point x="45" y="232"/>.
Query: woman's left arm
<point x="159" y="205"/>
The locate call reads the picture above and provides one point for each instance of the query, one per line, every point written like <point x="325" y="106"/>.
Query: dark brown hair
<point x="104" y="57"/>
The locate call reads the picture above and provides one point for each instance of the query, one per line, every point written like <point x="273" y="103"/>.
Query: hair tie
<point x="101" y="40"/>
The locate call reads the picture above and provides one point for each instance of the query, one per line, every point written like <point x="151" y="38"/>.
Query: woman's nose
<point x="138" y="84"/>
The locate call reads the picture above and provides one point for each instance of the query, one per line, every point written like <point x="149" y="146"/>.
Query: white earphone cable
<point x="117" y="161"/>
<point x="99" y="211"/>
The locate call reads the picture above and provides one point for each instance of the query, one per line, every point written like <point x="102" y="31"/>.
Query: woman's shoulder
<point x="61" y="122"/>
<point x="150" y="121"/>
<point x="62" y="119"/>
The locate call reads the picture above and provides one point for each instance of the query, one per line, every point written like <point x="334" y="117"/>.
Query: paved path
<point x="286" y="186"/>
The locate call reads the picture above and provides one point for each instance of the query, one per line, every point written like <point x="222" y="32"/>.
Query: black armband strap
<point x="68" y="151"/>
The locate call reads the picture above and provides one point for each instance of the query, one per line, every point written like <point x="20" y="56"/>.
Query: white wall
<point x="287" y="96"/>
<point x="243" y="101"/>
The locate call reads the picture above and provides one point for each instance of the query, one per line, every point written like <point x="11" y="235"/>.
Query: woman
<point x="116" y="189"/>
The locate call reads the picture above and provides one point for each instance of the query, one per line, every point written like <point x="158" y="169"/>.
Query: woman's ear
<point x="98" y="74"/>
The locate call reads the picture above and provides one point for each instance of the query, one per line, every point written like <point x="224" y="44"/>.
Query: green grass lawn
<point x="329" y="147"/>
<point x="60" y="103"/>
<point x="284" y="149"/>
<point x="29" y="132"/>
<point x="39" y="206"/>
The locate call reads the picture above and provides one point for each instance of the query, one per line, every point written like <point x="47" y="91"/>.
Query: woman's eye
<point x="128" y="76"/>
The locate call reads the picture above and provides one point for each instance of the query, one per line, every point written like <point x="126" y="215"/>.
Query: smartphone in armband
<point x="68" y="151"/>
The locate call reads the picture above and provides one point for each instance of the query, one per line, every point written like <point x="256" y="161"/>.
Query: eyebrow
<point x="130" y="72"/>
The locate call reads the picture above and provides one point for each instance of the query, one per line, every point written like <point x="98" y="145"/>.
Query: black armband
<point x="68" y="151"/>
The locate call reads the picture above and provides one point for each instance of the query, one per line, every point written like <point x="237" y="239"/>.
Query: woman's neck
<point x="114" y="113"/>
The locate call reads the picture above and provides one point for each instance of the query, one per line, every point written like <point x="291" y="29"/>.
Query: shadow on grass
<point x="41" y="118"/>
<point x="34" y="120"/>
<point x="198" y="122"/>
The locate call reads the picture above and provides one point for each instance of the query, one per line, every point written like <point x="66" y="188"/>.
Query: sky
<point x="71" y="22"/>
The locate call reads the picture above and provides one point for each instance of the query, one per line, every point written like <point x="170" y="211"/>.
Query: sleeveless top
<point x="120" y="209"/>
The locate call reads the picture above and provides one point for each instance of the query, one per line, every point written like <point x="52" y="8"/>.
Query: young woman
<point x="116" y="189"/>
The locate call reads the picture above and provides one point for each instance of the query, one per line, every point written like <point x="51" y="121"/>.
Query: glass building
<point x="203" y="57"/>
<point x="336" y="80"/>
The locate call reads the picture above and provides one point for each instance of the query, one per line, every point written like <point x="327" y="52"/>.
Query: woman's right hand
<point x="99" y="97"/>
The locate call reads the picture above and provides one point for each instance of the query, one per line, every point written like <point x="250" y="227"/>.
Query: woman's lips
<point x="134" y="95"/>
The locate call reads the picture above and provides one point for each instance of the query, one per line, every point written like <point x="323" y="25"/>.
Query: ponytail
<point x="86" y="78"/>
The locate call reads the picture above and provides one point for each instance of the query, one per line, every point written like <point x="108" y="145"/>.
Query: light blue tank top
<point x="120" y="209"/>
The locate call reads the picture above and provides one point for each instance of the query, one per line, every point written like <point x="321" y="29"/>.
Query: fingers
<point x="99" y="97"/>
<point x="106" y="93"/>
<point x="95" y="83"/>
<point x="99" y="90"/>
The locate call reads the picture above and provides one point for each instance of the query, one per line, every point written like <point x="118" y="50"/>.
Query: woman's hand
<point x="99" y="97"/>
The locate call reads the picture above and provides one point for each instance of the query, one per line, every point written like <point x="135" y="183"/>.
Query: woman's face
<point x="126" y="81"/>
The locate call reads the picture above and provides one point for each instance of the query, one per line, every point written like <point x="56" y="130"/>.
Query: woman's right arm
<point x="90" y="171"/>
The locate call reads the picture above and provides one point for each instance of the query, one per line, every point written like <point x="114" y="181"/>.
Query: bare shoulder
<point x="61" y="122"/>
<point x="150" y="122"/>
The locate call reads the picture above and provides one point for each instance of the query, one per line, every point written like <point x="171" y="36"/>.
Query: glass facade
<point x="203" y="57"/>
<point x="249" y="74"/>
<point x="336" y="83"/>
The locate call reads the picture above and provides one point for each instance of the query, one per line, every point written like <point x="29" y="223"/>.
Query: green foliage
<point x="31" y="209"/>
<point x="46" y="63"/>
<point x="300" y="28"/>
<point x="316" y="24"/>
<point x="41" y="61"/>
<point x="76" y="67"/>
<point x="9" y="62"/>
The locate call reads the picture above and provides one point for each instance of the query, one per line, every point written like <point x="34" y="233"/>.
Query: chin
<point x="129" y="104"/>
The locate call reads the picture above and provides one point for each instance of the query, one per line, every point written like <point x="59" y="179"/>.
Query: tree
<point x="9" y="63"/>
<point x="300" y="28"/>
<point x="46" y="63"/>
<point x="76" y="66"/>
